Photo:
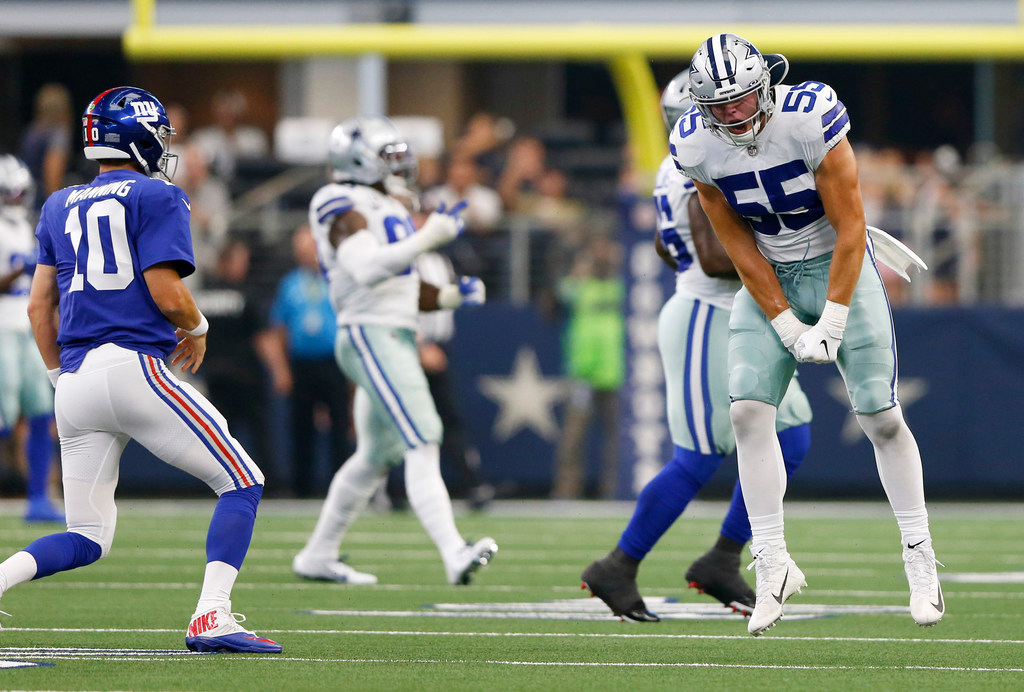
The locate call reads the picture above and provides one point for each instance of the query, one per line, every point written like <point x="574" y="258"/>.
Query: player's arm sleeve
<point x="45" y="254"/>
<point x="164" y="234"/>
<point x="369" y="262"/>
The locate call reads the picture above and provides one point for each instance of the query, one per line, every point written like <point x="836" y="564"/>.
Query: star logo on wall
<point x="910" y="390"/>
<point x="526" y="398"/>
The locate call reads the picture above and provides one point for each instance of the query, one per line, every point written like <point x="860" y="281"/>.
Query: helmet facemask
<point x="757" y="121"/>
<point x="727" y="68"/>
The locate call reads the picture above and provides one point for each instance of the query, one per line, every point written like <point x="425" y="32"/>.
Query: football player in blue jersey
<point x="107" y="305"/>
<point x="777" y="177"/>
<point x="24" y="388"/>
<point x="693" y="331"/>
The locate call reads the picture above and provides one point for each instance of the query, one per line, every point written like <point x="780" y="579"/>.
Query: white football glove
<point x="789" y="328"/>
<point x="470" y="290"/>
<point x="820" y="343"/>
<point x="53" y="374"/>
<point x="442" y="226"/>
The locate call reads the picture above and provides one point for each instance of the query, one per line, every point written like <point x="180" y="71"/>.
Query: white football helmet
<point x="726" y="68"/>
<point x="16" y="185"/>
<point x="367" y="149"/>
<point x="675" y="100"/>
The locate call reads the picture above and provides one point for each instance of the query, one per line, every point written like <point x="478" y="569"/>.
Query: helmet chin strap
<point x="138" y="159"/>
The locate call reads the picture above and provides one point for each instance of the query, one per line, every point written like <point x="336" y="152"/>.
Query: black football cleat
<point x="615" y="584"/>
<point x="717" y="573"/>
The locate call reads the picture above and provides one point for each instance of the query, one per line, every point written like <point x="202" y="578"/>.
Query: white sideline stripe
<point x="136" y="655"/>
<point x="511" y="635"/>
<point x="506" y="588"/>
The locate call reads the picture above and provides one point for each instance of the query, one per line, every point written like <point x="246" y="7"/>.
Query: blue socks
<point x="663" y="499"/>
<point x="795" y="443"/>
<point x="231" y="526"/>
<point x="59" y="552"/>
<point x="39" y="451"/>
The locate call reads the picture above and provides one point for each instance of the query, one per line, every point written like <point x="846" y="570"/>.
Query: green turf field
<point x="524" y="624"/>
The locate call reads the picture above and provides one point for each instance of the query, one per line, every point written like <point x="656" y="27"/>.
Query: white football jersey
<point x="672" y="191"/>
<point x="771" y="182"/>
<point x="17" y="242"/>
<point x="395" y="300"/>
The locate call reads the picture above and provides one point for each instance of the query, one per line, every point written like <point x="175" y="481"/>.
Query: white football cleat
<point x="309" y="567"/>
<point x="459" y="569"/>
<point x="218" y="631"/>
<point x="926" y="604"/>
<point x="778" y="578"/>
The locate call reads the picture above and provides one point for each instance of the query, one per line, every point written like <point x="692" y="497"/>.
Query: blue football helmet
<point x="129" y="123"/>
<point x="727" y="68"/>
<point x="675" y="100"/>
<point x="367" y="149"/>
<point x="16" y="185"/>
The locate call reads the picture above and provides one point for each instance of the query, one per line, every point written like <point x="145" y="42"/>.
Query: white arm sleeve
<point x="369" y="262"/>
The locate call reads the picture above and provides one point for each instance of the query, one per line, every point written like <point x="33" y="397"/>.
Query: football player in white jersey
<point x="777" y="177"/>
<point x="693" y="332"/>
<point x="24" y="387"/>
<point x="368" y="244"/>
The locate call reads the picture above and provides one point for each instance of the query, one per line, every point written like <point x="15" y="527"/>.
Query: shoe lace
<point x="921" y="569"/>
<point x="764" y="564"/>
<point x="7" y="614"/>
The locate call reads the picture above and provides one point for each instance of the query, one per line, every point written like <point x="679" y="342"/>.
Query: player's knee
<point x="749" y="416"/>
<point x="96" y="546"/>
<point x="883" y="426"/>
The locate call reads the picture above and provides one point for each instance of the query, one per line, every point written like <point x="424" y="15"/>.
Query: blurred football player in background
<point x="693" y="333"/>
<point x="24" y="388"/>
<point x="777" y="177"/>
<point x="368" y="244"/>
<point x="122" y="309"/>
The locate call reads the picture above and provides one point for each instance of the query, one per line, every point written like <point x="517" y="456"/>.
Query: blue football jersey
<point x="101" y="237"/>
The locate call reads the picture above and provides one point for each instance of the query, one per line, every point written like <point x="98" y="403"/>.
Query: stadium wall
<point x="961" y="375"/>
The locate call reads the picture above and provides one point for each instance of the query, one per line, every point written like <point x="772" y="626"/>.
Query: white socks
<point x="899" y="468"/>
<point x="429" y="498"/>
<point x="16" y="569"/>
<point x="217" y="584"/>
<point x="351" y="489"/>
<point x="762" y="471"/>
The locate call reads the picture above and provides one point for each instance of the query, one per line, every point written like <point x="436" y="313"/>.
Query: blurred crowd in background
<point x="547" y="208"/>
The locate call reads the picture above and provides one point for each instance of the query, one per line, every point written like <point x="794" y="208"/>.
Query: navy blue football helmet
<point x="129" y="123"/>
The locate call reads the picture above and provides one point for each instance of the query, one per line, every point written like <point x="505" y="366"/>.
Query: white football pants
<point x="119" y="395"/>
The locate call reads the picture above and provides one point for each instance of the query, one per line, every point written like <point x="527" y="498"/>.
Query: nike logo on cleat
<point x="782" y="588"/>
<point x="938" y="606"/>
<point x="916" y="544"/>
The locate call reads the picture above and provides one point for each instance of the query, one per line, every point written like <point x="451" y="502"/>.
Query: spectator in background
<point x="594" y="345"/>
<point x="234" y="371"/>
<point x="229" y="140"/>
<point x="529" y="187"/>
<point x="523" y="168"/>
<point x="484" y="143"/>
<point x="46" y="144"/>
<point x="300" y="356"/>
<point x="209" y="196"/>
<point x="463" y="183"/>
